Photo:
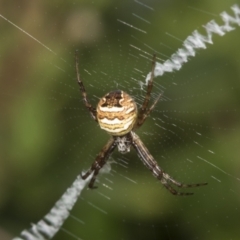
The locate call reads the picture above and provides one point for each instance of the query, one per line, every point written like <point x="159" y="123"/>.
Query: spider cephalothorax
<point x="117" y="114"/>
<point x="123" y="143"/>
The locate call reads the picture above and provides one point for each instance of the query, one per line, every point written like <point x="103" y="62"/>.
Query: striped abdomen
<point x="117" y="113"/>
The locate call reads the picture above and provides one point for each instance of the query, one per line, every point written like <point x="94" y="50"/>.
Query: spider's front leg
<point x="144" y="110"/>
<point x="90" y="108"/>
<point x="99" y="162"/>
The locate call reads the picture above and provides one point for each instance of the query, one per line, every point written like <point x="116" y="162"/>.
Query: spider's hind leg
<point x="99" y="162"/>
<point x="166" y="178"/>
<point x="172" y="190"/>
<point x="157" y="172"/>
<point x="182" y="185"/>
<point x="87" y="174"/>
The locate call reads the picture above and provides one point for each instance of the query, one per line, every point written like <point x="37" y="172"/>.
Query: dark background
<point x="47" y="137"/>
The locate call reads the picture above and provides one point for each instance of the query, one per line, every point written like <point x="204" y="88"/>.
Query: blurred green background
<point x="47" y="137"/>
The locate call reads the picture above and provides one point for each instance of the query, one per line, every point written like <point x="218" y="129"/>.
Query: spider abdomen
<point x="117" y="113"/>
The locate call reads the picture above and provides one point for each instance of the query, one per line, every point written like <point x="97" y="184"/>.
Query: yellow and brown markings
<point x="117" y="113"/>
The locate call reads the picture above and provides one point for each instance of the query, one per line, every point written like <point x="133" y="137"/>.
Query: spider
<point x="117" y="114"/>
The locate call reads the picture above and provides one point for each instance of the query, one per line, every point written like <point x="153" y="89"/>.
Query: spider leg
<point x="181" y="185"/>
<point x="144" y="111"/>
<point x="146" y="114"/>
<point x="91" y="109"/>
<point x="99" y="162"/>
<point x="172" y="190"/>
<point x="152" y="165"/>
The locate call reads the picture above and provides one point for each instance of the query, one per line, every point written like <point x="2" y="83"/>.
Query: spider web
<point x="48" y="137"/>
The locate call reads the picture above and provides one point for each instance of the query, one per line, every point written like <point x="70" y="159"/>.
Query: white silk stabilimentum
<point x="197" y="41"/>
<point x="47" y="227"/>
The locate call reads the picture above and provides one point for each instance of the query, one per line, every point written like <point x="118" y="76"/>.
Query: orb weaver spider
<point x="117" y="114"/>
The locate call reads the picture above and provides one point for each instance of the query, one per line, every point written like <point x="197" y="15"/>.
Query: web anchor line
<point x="197" y="41"/>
